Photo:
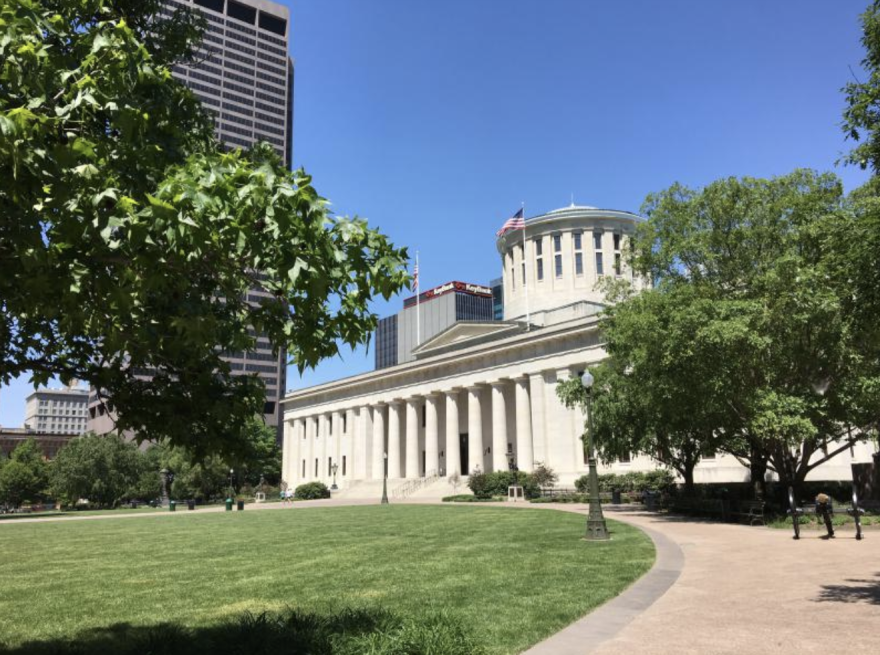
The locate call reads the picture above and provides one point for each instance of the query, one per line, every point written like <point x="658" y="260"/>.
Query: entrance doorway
<point x="463" y="451"/>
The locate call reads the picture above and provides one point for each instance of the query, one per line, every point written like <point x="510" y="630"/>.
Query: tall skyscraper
<point x="244" y="77"/>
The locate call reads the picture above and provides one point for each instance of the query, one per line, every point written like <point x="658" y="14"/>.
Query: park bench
<point x="751" y="511"/>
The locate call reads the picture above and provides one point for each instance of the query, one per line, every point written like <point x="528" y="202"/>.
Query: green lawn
<point x="507" y="578"/>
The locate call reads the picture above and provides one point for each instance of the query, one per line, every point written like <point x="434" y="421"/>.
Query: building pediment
<point x="467" y="333"/>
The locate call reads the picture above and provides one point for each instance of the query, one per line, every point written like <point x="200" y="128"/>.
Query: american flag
<point x="416" y="276"/>
<point x="515" y="222"/>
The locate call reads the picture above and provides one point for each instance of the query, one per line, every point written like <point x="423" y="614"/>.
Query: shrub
<point x="486" y="485"/>
<point x="657" y="480"/>
<point x="467" y="498"/>
<point x="311" y="491"/>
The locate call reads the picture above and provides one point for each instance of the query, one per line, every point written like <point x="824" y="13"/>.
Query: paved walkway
<point x="746" y="590"/>
<point x="715" y="589"/>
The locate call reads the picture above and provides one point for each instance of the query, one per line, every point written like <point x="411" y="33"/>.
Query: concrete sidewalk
<point x="745" y="590"/>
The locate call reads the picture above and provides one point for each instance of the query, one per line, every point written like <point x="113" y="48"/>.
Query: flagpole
<point x="418" y="311"/>
<point x="526" y="276"/>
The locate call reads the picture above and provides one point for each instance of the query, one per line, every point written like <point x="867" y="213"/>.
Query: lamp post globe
<point x="596" y="528"/>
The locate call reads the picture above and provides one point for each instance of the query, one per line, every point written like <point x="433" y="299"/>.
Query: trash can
<point x="229" y="504"/>
<point x="615" y="496"/>
<point x="190" y="504"/>
<point x="650" y="499"/>
<point x="134" y="504"/>
<point x="240" y="505"/>
<point x="172" y="506"/>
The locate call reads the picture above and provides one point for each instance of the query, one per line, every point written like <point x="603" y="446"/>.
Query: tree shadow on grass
<point x="864" y="591"/>
<point x="348" y="632"/>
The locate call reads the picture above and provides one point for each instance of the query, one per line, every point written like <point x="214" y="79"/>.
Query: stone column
<point x="432" y="436"/>
<point x="311" y="436"/>
<point x="539" y="429"/>
<point x="499" y="427"/>
<point x="286" y="445"/>
<point x="361" y="441"/>
<point x="291" y="472"/>
<point x="453" y="446"/>
<point x="378" y="457"/>
<point x="348" y="444"/>
<point x="336" y="445"/>
<point x="323" y="438"/>
<point x="475" y="429"/>
<point x="525" y="453"/>
<point x="412" y="438"/>
<point x="394" y="450"/>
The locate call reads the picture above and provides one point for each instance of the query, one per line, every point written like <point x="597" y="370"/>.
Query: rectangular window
<point x="330" y="424"/>
<point x="617" y="242"/>
<point x="558" y="265"/>
<point x="540" y="269"/>
<point x="597" y="240"/>
<point x="626" y="458"/>
<point x="345" y="423"/>
<point x="599" y="268"/>
<point x="578" y="263"/>
<point x="539" y="247"/>
<point x="617" y="264"/>
<point x="329" y="464"/>
<point x="557" y="243"/>
<point x="316" y="467"/>
<point x="424" y="415"/>
<point x="304" y="469"/>
<point x="577" y="240"/>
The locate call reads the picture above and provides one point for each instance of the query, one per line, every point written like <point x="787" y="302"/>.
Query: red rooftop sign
<point x="449" y="287"/>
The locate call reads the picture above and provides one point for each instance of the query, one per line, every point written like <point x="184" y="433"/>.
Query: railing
<point x="411" y="486"/>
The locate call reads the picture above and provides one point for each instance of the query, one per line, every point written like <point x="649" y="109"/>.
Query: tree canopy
<point x="129" y="238"/>
<point x="743" y="345"/>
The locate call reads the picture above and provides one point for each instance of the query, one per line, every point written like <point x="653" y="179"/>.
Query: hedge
<point x="486" y="485"/>
<point x="658" y="480"/>
<point x="311" y="491"/>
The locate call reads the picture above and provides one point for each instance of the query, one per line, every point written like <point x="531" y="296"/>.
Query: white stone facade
<point x="480" y="390"/>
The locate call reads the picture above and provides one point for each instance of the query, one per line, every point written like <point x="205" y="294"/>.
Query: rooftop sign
<point x="450" y="287"/>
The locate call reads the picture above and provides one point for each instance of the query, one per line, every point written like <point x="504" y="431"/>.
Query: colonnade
<point x="444" y="432"/>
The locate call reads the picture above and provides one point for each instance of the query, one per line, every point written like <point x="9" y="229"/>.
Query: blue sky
<point x="435" y="120"/>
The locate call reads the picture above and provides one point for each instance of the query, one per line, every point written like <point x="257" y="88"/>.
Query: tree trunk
<point x="687" y="473"/>
<point x="757" y="471"/>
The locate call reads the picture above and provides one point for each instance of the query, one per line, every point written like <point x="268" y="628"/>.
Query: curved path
<point x="747" y="590"/>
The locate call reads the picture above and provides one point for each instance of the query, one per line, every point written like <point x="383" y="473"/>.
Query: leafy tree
<point x="861" y="121"/>
<point x="544" y="476"/>
<point x="104" y="469"/>
<point x="129" y="238"/>
<point x="741" y="345"/>
<point x="23" y="476"/>
<point x="261" y="456"/>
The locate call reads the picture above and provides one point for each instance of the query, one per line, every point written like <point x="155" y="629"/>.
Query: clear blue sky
<point x="435" y="120"/>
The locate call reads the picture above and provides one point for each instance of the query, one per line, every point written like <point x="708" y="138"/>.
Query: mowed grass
<point x="508" y="577"/>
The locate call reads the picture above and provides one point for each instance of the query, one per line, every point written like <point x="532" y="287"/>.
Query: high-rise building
<point x="57" y="411"/>
<point x="438" y="308"/>
<point x="244" y="77"/>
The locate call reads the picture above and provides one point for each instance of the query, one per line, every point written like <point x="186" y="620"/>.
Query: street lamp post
<point x="231" y="483"/>
<point x="385" y="480"/>
<point x="333" y="470"/>
<point x="596" y="528"/>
